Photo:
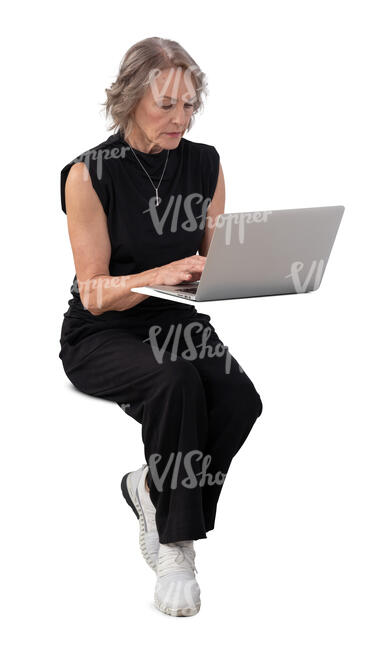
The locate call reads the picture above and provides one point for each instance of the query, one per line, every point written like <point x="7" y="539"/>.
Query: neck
<point x="143" y="146"/>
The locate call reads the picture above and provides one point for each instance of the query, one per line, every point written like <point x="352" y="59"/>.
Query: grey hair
<point x="134" y="75"/>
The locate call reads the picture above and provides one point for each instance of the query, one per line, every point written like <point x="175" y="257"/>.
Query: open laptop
<point x="261" y="254"/>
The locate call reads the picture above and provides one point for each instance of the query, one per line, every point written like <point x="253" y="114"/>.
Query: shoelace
<point x="176" y="557"/>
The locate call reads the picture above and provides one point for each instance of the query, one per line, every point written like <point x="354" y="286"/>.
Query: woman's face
<point x="165" y="108"/>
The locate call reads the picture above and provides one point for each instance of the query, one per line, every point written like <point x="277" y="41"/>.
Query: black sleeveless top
<point x="143" y="236"/>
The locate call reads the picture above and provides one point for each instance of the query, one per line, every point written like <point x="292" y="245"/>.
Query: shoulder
<point x="203" y="154"/>
<point x="205" y="158"/>
<point x="201" y="148"/>
<point x="97" y="155"/>
<point x="93" y="162"/>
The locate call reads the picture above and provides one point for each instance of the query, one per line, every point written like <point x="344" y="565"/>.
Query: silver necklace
<point x="157" y="197"/>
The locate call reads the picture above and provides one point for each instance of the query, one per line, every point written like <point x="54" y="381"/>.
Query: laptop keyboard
<point x="184" y="291"/>
<point x="189" y="289"/>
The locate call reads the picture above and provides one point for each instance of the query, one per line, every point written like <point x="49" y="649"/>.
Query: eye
<point x="168" y="106"/>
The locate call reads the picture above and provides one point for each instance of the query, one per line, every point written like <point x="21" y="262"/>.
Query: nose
<point x="179" y="117"/>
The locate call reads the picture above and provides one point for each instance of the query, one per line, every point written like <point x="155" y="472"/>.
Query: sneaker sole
<point x="182" y="611"/>
<point x="136" y="507"/>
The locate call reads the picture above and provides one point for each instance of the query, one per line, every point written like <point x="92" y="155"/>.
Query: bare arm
<point x="91" y="248"/>
<point x="215" y="208"/>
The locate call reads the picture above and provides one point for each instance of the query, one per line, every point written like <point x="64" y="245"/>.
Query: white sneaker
<point x="137" y="496"/>
<point x="177" y="591"/>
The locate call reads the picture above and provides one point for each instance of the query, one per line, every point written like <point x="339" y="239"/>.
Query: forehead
<point x="174" y="83"/>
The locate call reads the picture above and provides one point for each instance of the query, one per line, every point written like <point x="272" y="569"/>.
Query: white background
<point x="292" y="561"/>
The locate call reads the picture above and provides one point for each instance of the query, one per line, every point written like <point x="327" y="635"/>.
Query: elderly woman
<point x="141" y="209"/>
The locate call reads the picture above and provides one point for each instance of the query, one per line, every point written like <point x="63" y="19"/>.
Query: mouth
<point x="174" y="134"/>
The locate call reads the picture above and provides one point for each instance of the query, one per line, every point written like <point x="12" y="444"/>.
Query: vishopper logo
<point x="296" y="267"/>
<point x="193" y="221"/>
<point x="193" y="351"/>
<point x="87" y="288"/>
<point x="99" y="155"/>
<point x="229" y="220"/>
<point x="190" y="480"/>
<point x="158" y="92"/>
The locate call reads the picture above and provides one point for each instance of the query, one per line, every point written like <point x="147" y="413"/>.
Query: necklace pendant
<point x="157" y="199"/>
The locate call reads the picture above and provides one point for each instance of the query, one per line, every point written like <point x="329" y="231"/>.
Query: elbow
<point x="91" y="306"/>
<point x="94" y="311"/>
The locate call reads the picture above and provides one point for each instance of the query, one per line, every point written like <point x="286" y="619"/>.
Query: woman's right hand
<point x="189" y="269"/>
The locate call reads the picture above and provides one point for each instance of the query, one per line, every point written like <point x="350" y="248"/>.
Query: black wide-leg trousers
<point x="196" y="405"/>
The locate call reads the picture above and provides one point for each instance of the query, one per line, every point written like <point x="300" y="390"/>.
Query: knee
<point x="256" y="403"/>
<point x="180" y="375"/>
<point x="251" y="401"/>
<point x="260" y="405"/>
